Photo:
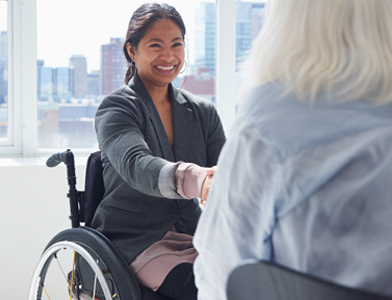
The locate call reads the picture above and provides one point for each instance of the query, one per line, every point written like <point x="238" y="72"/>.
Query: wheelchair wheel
<point x="82" y="264"/>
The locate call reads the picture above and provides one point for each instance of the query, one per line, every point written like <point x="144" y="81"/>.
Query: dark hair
<point x="141" y="20"/>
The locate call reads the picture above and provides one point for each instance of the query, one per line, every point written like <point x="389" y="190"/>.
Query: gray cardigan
<point x="134" y="214"/>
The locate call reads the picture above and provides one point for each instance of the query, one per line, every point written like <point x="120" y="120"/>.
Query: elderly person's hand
<point x="207" y="184"/>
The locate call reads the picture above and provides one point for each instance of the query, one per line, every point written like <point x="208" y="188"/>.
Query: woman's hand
<point x="207" y="184"/>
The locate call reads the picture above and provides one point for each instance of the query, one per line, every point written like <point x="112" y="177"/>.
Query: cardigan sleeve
<point x="119" y="124"/>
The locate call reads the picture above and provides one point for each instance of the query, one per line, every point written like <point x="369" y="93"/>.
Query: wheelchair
<point x="81" y="263"/>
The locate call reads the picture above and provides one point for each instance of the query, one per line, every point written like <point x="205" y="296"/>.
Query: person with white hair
<point x="305" y="178"/>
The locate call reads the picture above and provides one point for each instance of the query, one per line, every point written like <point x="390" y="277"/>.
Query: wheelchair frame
<point x="98" y="271"/>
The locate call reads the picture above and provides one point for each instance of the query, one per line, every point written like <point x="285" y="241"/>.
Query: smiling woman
<point x="159" y="144"/>
<point x="158" y="56"/>
<point x="74" y="78"/>
<point x="158" y="59"/>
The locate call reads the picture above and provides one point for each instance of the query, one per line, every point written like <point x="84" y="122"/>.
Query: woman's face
<point x="160" y="54"/>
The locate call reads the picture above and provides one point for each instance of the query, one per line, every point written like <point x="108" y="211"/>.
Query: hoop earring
<point x="182" y="71"/>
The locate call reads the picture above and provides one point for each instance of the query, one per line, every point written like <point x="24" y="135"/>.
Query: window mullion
<point x="29" y="76"/>
<point x="226" y="61"/>
<point x="15" y="85"/>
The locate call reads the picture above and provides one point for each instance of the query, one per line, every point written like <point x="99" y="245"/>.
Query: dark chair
<point x="268" y="281"/>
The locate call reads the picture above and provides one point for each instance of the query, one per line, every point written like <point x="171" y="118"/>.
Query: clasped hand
<point x="207" y="184"/>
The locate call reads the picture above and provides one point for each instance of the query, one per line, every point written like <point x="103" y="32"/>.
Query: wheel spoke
<point x="62" y="271"/>
<point x="95" y="283"/>
<point x="89" y="278"/>
<point x="72" y="276"/>
<point x="46" y="292"/>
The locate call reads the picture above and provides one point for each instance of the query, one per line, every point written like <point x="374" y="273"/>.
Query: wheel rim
<point x="39" y="276"/>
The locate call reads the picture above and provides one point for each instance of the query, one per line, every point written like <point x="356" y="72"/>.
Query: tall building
<point x="78" y="66"/>
<point x="249" y="19"/>
<point x="45" y="89"/>
<point x="3" y="85"/>
<point x="93" y="84"/>
<point x="205" y="33"/>
<point x="61" y="84"/>
<point x="40" y="64"/>
<point x="3" y="67"/>
<point x="113" y="66"/>
<point x="249" y="16"/>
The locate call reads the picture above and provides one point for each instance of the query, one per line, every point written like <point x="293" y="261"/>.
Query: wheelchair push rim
<point x="94" y="254"/>
<point x="37" y="287"/>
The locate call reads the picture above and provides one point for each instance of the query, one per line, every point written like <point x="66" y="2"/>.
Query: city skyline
<point x="56" y="49"/>
<point x="69" y="91"/>
<point x="99" y="27"/>
<point x="113" y="65"/>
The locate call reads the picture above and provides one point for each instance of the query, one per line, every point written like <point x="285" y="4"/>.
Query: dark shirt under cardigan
<point x="134" y="213"/>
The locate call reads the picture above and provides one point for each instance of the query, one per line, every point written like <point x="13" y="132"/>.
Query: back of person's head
<point x="141" y="20"/>
<point x="319" y="45"/>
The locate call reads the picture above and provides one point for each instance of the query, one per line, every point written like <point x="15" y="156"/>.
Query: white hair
<point x="317" y="45"/>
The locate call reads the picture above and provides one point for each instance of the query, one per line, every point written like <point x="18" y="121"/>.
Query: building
<point x="66" y="109"/>
<point x="249" y="19"/>
<point x="3" y="121"/>
<point x="205" y="32"/>
<point x="113" y="66"/>
<point x="202" y="84"/>
<point x="62" y="125"/>
<point x="3" y="67"/>
<point x="78" y="66"/>
<point x="93" y="84"/>
<point x="53" y="84"/>
<point x="40" y="64"/>
<point x="61" y="84"/>
<point x="249" y="16"/>
<point x="46" y="80"/>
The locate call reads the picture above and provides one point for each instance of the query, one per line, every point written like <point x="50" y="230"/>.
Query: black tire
<point x="117" y="274"/>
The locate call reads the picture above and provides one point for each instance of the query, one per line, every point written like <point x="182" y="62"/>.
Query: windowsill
<point x="35" y="161"/>
<point x="80" y="156"/>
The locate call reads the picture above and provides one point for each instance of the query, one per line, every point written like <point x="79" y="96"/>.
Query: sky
<point x="82" y="26"/>
<point x="72" y="27"/>
<point x="3" y="16"/>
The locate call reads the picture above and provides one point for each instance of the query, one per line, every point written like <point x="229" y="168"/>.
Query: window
<point x="55" y="66"/>
<point x="249" y="20"/>
<point x="4" y="116"/>
<point x="81" y="62"/>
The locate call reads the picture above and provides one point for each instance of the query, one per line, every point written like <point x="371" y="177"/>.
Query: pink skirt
<point x="153" y="265"/>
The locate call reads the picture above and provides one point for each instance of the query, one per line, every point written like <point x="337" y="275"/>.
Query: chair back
<point x="268" y="281"/>
<point x="94" y="188"/>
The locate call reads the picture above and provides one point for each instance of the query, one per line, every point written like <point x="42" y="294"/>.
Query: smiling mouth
<point x="165" y="68"/>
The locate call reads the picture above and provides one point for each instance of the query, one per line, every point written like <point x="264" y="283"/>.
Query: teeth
<point x="165" y="68"/>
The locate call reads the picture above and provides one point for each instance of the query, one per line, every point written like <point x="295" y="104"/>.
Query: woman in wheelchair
<point x="159" y="145"/>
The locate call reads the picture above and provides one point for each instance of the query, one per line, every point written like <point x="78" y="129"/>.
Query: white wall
<point x="34" y="207"/>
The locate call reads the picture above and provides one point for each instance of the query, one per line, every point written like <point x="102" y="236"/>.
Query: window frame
<point x="22" y="75"/>
<point x="22" y="78"/>
<point x="9" y="140"/>
<point x="225" y="60"/>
